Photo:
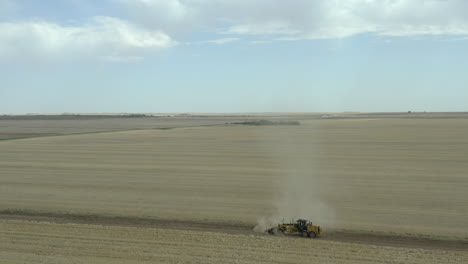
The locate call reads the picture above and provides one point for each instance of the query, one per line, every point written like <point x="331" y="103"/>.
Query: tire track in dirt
<point x="233" y="228"/>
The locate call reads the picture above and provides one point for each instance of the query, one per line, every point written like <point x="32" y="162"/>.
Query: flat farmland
<point x="387" y="176"/>
<point x="12" y="127"/>
<point x="40" y="242"/>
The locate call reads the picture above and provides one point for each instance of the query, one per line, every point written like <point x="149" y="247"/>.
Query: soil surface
<point x="233" y="228"/>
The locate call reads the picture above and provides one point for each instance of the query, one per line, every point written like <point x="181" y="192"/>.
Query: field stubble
<point x="31" y="242"/>
<point x="404" y="176"/>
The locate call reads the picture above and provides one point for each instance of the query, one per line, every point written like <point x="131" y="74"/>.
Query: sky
<point x="233" y="56"/>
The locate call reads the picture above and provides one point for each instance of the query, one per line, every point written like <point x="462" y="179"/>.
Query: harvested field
<point x="365" y="238"/>
<point x="27" y="126"/>
<point x="31" y="242"/>
<point x="38" y="126"/>
<point x="381" y="177"/>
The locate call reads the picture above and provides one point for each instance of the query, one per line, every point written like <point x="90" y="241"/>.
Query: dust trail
<point x="299" y="189"/>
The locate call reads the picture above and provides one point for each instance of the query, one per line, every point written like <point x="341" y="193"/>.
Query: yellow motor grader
<point x="301" y="226"/>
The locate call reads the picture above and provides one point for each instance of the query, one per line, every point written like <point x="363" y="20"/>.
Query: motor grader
<point x="301" y="226"/>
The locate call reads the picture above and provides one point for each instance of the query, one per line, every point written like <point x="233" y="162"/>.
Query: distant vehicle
<point x="301" y="226"/>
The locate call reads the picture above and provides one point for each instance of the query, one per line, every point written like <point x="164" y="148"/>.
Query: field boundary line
<point x="107" y="131"/>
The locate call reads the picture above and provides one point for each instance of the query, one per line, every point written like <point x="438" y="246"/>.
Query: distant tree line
<point x="268" y="123"/>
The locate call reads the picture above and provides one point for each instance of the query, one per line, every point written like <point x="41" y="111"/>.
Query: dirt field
<point x="27" y="126"/>
<point x="33" y="242"/>
<point x="382" y="176"/>
<point x="38" y="126"/>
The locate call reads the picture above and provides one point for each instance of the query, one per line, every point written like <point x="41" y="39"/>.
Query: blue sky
<point x="233" y="56"/>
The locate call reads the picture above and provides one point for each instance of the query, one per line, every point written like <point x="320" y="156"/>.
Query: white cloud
<point x="266" y="28"/>
<point x="305" y="19"/>
<point x="156" y="22"/>
<point x="168" y="15"/>
<point x="221" y="40"/>
<point x="8" y="8"/>
<point x="103" y="37"/>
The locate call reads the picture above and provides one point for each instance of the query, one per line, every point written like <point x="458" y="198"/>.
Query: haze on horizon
<point x="114" y="56"/>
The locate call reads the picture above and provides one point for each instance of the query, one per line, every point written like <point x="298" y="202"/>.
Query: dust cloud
<point x="299" y="191"/>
